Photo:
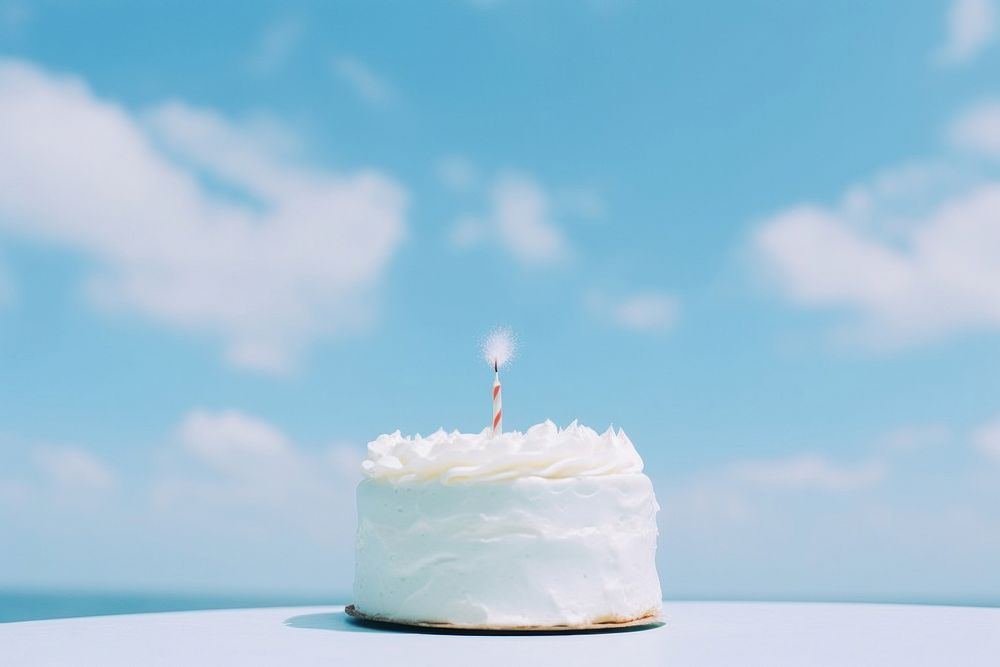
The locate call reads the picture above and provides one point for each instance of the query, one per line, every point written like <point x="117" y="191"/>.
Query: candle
<point x="498" y="349"/>
<point x="497" y="402"/>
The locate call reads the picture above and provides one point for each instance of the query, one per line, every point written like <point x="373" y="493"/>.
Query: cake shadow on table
<point x="340" y="621"/>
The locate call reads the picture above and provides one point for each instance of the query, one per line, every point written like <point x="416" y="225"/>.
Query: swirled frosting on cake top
<point x="544" y="450"/>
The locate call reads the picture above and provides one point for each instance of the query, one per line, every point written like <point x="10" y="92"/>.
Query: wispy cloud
<point x="519" y="218"/>
<point x="809" y="472"/>
<point x="225" y="497"/>
<point x="987" y="440"/>
<point x="287" y="253"/>
<point x="943" y="278"/>
<point x="233" y="443"/>
<point x="801" y="511"/>
<point x="247" y="482"/>
<point x="914" y="254"/>
<point x="368" y="85"/>
<point x="73" y="469"/>
<point x="521" y="214"/>
<point x="916" y="437"/>
<point x="650" y="311"/>
<point x="253" y="465"/>
<point x="14" y="493"/>
<point x="977" y="129"/>
<point x="970" y="27"/>
<point x="275" y="46"/>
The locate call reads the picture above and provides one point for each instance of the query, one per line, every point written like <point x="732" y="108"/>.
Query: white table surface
<point x="695" y="633"/>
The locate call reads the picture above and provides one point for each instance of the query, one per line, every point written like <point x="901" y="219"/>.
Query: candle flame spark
<point x="499" y="347"/>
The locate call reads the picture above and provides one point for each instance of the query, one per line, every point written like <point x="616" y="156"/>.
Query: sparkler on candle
<point x="498" y="349"/>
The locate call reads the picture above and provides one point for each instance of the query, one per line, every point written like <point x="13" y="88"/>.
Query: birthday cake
<point x="543" y="529"/>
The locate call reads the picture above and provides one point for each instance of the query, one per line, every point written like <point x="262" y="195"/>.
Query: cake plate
<point x="647" y="620"/>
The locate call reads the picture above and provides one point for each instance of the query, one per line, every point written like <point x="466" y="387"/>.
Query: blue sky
<point x="236" y="244"/>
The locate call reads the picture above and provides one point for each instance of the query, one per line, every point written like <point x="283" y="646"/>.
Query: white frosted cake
<point x="552" y="527"/>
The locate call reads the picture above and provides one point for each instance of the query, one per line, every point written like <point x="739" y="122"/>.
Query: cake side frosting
<point x="544" y="450"/>
<point x="523" y="552"/>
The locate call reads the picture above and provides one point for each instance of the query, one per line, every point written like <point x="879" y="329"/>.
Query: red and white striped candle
<point x="498" y="350"/>
<point x="497" y="403"/>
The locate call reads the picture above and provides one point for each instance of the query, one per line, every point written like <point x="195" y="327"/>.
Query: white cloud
<point x="978" y="129"/>
<point x="14" y="493"/>
<point x="229" y="501"/>
<point x="648" y="311"/>
<point x="283" y="254"/>
<point x="971" y="26"/>
<point x="371" y="87"/>
<point x="906" y="280"/>
<point x="234" y="444"/>
<point x="521" y="214"/>
<point x="276" y="45"/>
<point x="809" y="472"/>
<point x="890" y="200"/>
<point x="519" y="220"/>
<point x="233" y="466"/>
<point x="252" y="464"/>
<point x="894" y="532"/>
<point x="987" y="440"/>
<point x="73" y="469"/>
<point x="915" y="437"/>
<point x="913" y="255"/>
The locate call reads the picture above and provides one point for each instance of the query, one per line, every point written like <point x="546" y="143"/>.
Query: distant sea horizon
<point x="43" y="604"/>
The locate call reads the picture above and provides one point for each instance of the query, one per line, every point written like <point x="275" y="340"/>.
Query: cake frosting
<point x="544" y="450"/>
<point x="550" y="527"/>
